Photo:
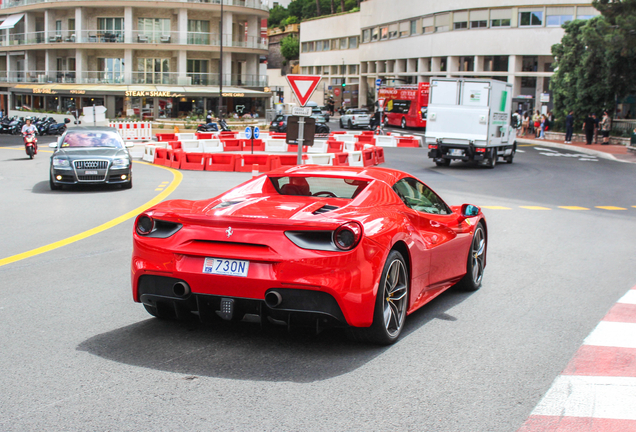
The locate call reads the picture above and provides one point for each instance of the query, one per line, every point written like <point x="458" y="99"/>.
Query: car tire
<point x="443" y="163"/>
<point x="127" y="185"/>
<point x="341" y="125"/>
<point x="476" y="261"/>
<point x="394" y="285"/>
<point x="52" y="184"/>
<point x="350" y="125"/>
<point x="403" y="123"/>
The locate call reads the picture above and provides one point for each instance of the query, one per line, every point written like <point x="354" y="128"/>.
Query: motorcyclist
<point x="29" y="128"/>
<point x="208" y="118"/>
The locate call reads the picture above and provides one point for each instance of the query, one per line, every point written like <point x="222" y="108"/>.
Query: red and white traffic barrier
<point x="133" y="131"/>
<point x="597" y="389"/>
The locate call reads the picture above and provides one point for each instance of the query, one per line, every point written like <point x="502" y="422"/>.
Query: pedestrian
<point x="543" y="122"/>
<point x="589" y="125"/>
<point x="569" y="127"/>
<point x="525" y="123"/>
<point x="536" y="122"/>
<point x="596" y="127"/>
<point x="606" y="126"/>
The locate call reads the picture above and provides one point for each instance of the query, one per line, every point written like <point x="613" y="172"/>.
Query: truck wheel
<point x="511" y="157"/>
<point x="443" y="162"/>
<point x="492" y="162"/>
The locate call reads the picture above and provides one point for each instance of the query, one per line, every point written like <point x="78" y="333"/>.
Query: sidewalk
<point x="611" y="151"/>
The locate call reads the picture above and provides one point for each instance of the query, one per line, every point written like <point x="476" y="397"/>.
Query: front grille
<point x="91" y="177"/>
<point x="91" y="164"/>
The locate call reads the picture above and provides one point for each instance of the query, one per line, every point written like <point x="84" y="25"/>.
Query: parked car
<point x="279" y="124"/>
<point x="321" y="124"/>
<point x="90" y="155"/>
<point x="355" y="118"/>
<point x="310" y="245"/>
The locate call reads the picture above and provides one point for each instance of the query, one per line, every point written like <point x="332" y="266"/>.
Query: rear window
<point x="359" y="112"/>
<point x="92" y="139"/>
<point x="319" y="186"/>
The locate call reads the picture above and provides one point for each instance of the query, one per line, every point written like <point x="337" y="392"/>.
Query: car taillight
<point x="480" y="150"/>
<point x="347" y="236"/>
<point x="144" y="225"/>
<point x="432" y="146"/>
<point x="281" y="123"/>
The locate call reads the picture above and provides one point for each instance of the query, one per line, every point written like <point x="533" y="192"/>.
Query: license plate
<point x="90" y="172"/>
<point x="456" y="152"/>
<point x="226" y="267"/>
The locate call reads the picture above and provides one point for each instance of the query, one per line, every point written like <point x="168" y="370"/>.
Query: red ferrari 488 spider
<point x="354" y="247"/>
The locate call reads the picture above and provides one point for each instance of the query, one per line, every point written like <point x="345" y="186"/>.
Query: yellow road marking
<point x="165" y="183"/>
<point x="159" y="189"/>
<point x="535" y="208"/>
<point x="496" y="208"/>
<point x="176" y="180"/>
<point x="611" y="208"/>
<point x="573" y="208"/>
<point x="526" y="145"/>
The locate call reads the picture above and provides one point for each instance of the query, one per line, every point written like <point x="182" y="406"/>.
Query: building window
<point x="343" y="69"/>
<point x="58" y="27"/>
<point x="318" y="70"/>
<point x="71" y="25"/>
<point x="366" y="35"/>
<point x="343" y="43"/>
<point x="111" y="70"/>
<point x="334" y="70"/>
<point x="198" y="71"/>
<point x="198" y="32"/>
<point x="479" y="24"/>
<point x="153" y="71"/>
<point x="310" y="46"/>
<point x="393" y="31"/>
<point x="530" y="64"/>
<point x="311" y="70"/>
<point x="586" y="12"/>
<point x="529" y="19"/>
<point x="375" y="34"/>
<point x="318" y="45"/>
<point x="505" y="22"/>
<point x="111" y="26"/>
<point x="496" y="64"/>
<point x="353" y="42"/>
<point x="325" y="70"/>
<point x="557" y="20"/>
<point x="443" y="64"/>
<point x="460" y="20"/>
<point x="460" y="25"/>
<point x="303" y="47"/>
<point x="326" y="45"/>
<point x="466" y="64"/>
<point x="442" y="22"/>
<point x="353" y="69"/>
<point x="428" y="25"/>
<point x="384" y="33"/>
<point x="413" y="27"/>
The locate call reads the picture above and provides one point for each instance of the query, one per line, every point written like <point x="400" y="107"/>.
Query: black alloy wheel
<point x="476" y="261"/>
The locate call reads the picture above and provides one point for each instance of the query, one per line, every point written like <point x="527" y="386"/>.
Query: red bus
<point x="405" y="105"/>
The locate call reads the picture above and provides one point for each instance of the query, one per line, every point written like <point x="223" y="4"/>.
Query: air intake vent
<point x="326" y="208"/>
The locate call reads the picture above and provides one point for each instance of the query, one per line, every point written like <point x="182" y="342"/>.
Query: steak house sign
<point x="152" y="93"/>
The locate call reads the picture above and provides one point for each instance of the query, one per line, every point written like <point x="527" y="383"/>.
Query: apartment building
<point x="410" y="41"/>
<point x="151" y="59"/>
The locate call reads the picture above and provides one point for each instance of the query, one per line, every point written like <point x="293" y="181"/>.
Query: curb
<point x="590" y="152"/>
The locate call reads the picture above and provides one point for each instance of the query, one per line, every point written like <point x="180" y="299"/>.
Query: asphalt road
<point x="77" y="354"/>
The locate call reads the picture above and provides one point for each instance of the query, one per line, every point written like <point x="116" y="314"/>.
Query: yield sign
<point x="303" y="86"/>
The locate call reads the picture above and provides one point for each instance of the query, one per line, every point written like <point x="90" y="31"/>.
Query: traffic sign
<point x="301" y="111"/>
<point x="378" y="82"/>
<point x="336" y="91"/>
<point x="248" y="132"/>
<point x="257" y="132"/>
<point x="303" y="86"/>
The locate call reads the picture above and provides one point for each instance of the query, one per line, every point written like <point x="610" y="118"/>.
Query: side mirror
<point x="53" y="145"/>
<point x="469" y="210"/>
<point x="129" y="145"/>
<point x="67" y="120"/>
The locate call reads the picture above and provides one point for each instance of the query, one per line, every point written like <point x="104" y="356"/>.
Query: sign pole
<point x="301" y="139"/>
<point x="252" y="140"/>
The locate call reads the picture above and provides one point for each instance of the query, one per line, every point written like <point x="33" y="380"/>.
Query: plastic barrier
<point x="337" y="133"/>
<point x="149" y="153"/>
<point x="379" y="155"/>
<point x="246" y="144"/>
<point x="368" y="157"/>
<point x="340" y="159"/>
<point x="408" y="141"/>
<point x="177" y="157"/>
<point x="228" y="134"/>
<point x="192" y="146"/>
<point x="266" y="162"/>
<point x="231" y="144"/>
<point x="289" y="160"/>
<point x="276" y="145"/>
<point x="385" y="141"/>
<point x="293" y="148"/>
<point x="203" y="135"/>
<point x="162" y="156"/>
<point x="133" y="131"/>
<point x="212" y="146"/>
<point x="174" y="145"/>
<point x="138" y="150"/>
<point x="355" y="158"/>
<point x="193" y="161"/>
<point x="221" y="162"/>
<point x="319" y="147"/>
<point x="320" y="159"/>
<point x="166" y="137"/>
<point x="278" y="135"/>
<point x="347" y="138"/>
<point x="335" y="146"/>
<point x="185" y="136"/>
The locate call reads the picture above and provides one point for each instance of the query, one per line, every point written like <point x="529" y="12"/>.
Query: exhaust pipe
<point x="181" y="289"/>
<point x="273" y="299"/>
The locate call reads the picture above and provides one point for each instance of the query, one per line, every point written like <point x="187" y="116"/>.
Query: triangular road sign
<point x="303" y="86"/>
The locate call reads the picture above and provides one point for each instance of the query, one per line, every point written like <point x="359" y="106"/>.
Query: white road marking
<point x="613" y="334"/>
<point x="545" y="149"/>
<point x="521" y="151"/>
<point x="629" y="298"/>
<point x="590" y="396"/>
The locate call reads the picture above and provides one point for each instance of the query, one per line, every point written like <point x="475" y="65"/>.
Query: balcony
<point x="153" y="78"/>
<point x="118" y="36"/>
<point x="252" y="4"/>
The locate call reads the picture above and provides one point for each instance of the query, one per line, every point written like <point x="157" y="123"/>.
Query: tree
<point x="342" y="5"/>
<point x="318" y="8"/>
<point x="290" y="47"/>
<point x="276" y="15"/>
<point x="333" y="10"/>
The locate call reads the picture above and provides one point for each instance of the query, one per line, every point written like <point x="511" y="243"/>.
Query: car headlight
<point x="61" y="163"/>
<point x="121" y="163"/>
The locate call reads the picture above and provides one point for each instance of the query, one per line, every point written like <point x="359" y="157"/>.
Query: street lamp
<point x="218" y="112"/>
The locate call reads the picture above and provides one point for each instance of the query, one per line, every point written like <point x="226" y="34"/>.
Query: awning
<point x="141" y="90"/>
<point x="11" y="21"/>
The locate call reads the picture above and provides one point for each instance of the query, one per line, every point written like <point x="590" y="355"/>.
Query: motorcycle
<point x="30" y="144"/>
<point x="15" y="127"/>
<point x="57" y="128"/>
<point x="224" y="126"/>
<point x="42" y="125"/>
<point x="208" y="127"/>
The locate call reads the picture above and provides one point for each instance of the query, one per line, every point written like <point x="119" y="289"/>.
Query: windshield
<point x="319" y="186"/>
<point x="362" y="112"/>
<point x="92" y="139"/>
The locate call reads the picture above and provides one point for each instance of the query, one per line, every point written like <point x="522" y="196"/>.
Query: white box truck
<point x="470" y="120"/>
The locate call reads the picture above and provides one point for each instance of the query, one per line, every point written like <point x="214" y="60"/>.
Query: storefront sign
<point x="233" y="95"/>
<point x="78" y="91"/>
<point x="44" y="91"/>
<point x="152" y="94"/>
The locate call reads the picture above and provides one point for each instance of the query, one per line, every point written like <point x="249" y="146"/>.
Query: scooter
<point x="208" y="127"/>
<point x="30" y="144"/>
<point x="224" y="126"/>
<point x="15" y="127"/>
